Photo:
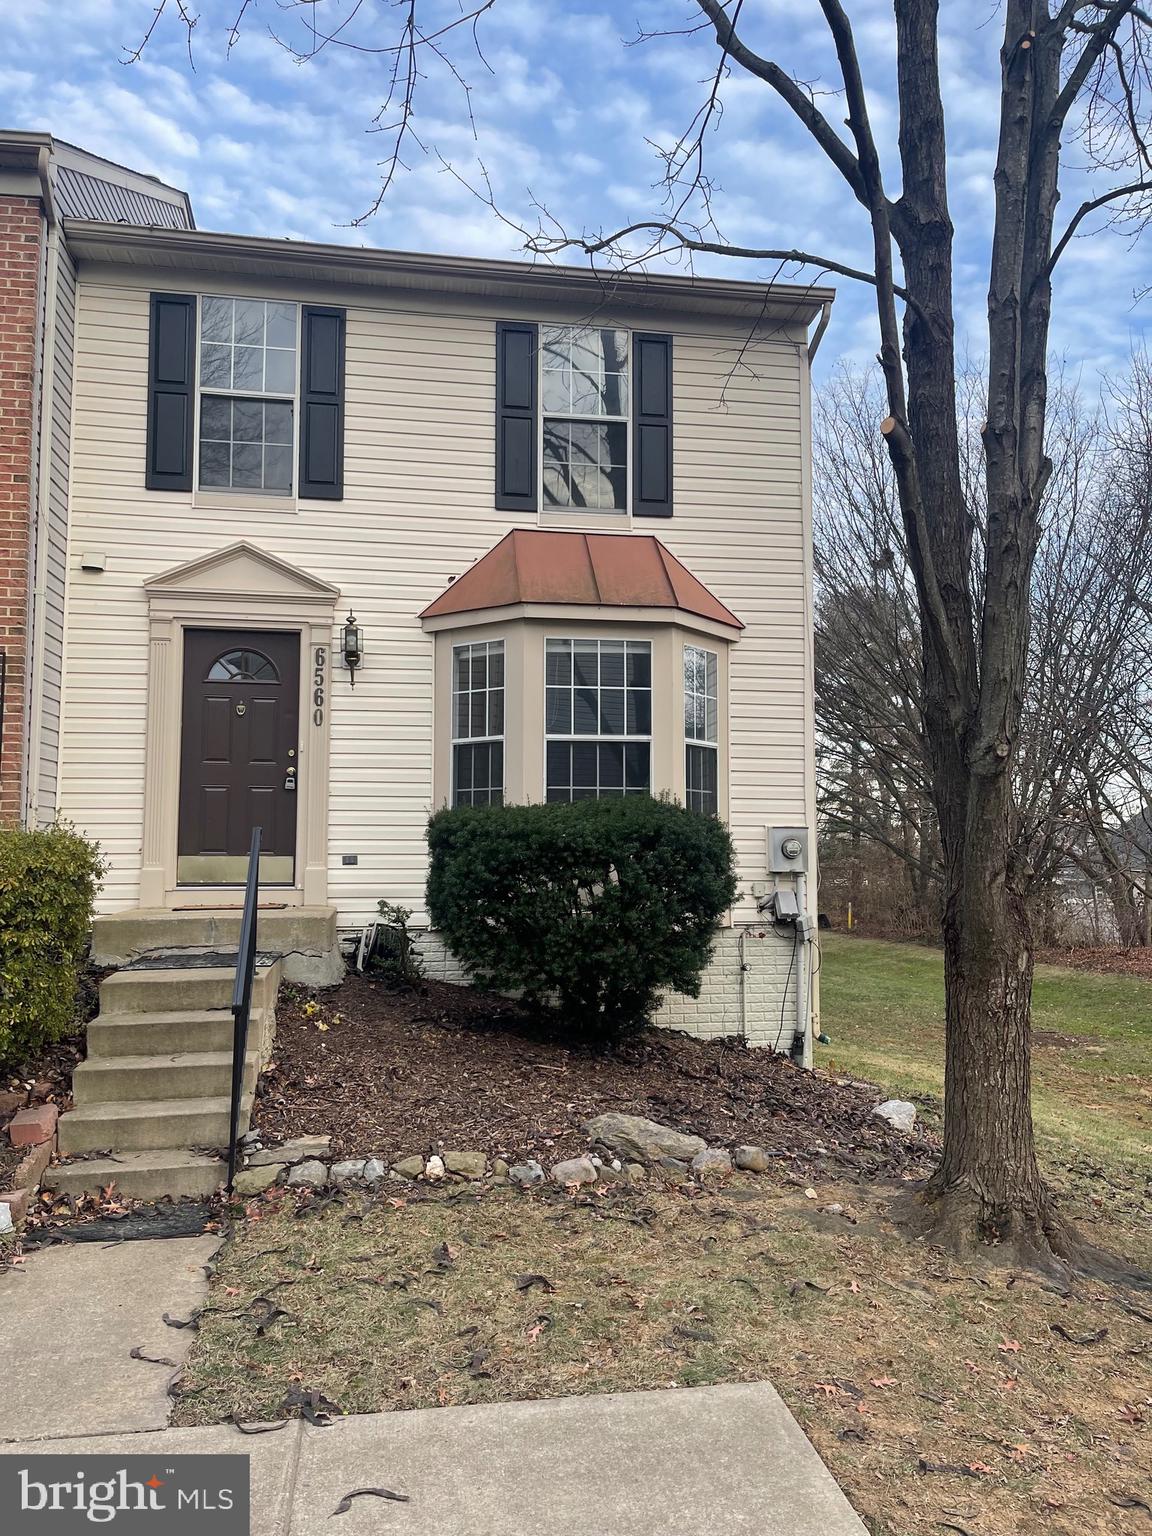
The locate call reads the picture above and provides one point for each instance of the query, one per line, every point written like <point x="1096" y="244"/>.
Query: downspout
<point x="37" y="512"/>
<point x="818" y="333"/>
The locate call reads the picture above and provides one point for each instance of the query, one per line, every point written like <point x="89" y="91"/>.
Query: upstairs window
<point x="701" y="731"/>
<point x="248" y="380"/>
<point x="598" y="718"/>
<point x="478" y="723"/>
<point x="584" y="400"/>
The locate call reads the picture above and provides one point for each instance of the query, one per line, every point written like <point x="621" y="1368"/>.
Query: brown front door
<point x="239" y="760"/>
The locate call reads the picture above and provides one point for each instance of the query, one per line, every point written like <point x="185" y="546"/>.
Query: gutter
<point x="98" y="241"/>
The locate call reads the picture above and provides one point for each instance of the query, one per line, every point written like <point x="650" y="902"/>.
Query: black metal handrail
<point x="242" y="1000"/>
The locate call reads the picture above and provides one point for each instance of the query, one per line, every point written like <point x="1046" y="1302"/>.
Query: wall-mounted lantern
<point x="353" y="652"/>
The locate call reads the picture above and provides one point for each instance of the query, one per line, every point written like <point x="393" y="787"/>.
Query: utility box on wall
<point x="788" y="850"/>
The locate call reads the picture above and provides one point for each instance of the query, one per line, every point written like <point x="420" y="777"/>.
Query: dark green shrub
<point x="48" y="883"/>
<point x="595" y="906"/>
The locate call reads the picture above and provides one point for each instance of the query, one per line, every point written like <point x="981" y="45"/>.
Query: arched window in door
<point x="242" y="667"/>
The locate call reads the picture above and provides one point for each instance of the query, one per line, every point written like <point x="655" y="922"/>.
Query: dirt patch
<point x="942" y="1397"/>
<point x="1106" y="960"/>
<point x="1054" y="1039"/>
<point x="391" y="1074"/>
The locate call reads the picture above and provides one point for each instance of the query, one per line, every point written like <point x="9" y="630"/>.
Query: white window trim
<point x="476" y="741"/>
<point x="612" y="516"/>
<point x="634" y="740"/>
<point x="248" y="496"/>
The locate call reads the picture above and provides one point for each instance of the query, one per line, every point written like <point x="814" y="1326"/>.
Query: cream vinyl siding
<point x="417" y="511"/>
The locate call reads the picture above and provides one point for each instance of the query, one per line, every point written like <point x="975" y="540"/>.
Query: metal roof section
<point x="81" y="196"/>
<point x="87" y="186"/>
<point x="602" y="570"/>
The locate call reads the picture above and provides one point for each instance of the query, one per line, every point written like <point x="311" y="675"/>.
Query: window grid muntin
<point x="478" y="722"/>
<point x="279" y="465"/>
<point x="612" y="482"/>
<point x="571" y="680"/>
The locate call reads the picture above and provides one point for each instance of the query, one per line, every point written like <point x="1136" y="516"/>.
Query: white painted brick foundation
<point x="732" y="1001"/>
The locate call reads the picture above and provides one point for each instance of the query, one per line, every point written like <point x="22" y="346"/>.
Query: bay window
<point x="478" y="723"/>
<point x="597" y="718"/>
<point x="701" y="731"/>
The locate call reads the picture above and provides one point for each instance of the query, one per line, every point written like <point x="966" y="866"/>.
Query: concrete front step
<point x="136" y="1125"/>
<point x="194" y="989"/>
<point x="180" y="1075"/>
<point x="151" y="1175"/>
<point x="153" y="1034"/>
<point x="305" y="936"/>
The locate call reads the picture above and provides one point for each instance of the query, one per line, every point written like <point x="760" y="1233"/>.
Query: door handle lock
<point x="290" y="779"/>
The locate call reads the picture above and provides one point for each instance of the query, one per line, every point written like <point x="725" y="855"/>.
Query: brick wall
<point x="19" y="277"/>
<point x="758" y="1002"/>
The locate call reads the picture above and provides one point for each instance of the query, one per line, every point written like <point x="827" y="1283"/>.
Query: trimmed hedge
<point x="593" y="906"/>
<point x="48" y="883"/>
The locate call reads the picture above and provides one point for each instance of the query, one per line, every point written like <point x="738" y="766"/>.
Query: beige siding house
<point x="270" y="437"/>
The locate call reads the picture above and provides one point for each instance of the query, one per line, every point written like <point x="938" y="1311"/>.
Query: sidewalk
<point x="704" y="1461"/>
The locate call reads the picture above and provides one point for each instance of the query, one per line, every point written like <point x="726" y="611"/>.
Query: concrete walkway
<point x="71" y="1315"/>
<point x="708" y="1461"/>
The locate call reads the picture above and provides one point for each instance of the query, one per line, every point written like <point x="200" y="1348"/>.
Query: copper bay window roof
<point x="604" y="570"/>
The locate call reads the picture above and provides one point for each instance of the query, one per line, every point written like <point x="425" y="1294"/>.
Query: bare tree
<point x="1087" y="658"/>
<point x="1069" y="70"/>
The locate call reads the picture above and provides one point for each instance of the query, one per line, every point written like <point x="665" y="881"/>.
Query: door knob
<point x="290" y="779"/>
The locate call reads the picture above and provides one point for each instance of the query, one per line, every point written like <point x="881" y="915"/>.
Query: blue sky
<point x="563" y="117"/>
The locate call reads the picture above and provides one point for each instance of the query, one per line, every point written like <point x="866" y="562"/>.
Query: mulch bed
<point x="1107" y="960"/>
<point x="395" y="1073"/>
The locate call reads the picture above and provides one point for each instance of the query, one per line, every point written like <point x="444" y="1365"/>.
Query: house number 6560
<point x="320" y="661"/>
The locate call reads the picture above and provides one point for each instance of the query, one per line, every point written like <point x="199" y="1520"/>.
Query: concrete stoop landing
<point x="151" y="1102"/>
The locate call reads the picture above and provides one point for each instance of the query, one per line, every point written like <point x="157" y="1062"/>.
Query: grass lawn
<point x="883" y="1006"/>
<point x="942" y="1396"/>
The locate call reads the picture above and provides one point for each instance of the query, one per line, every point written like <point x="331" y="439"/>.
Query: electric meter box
<point x="788" y="850"/>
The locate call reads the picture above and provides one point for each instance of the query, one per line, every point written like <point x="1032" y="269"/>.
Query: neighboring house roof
<point x="607" y="570"/>
<point x="81" y="185"/>
<point x="81" y="196"/>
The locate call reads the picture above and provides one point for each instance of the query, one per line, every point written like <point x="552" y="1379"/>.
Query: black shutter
<point x="171" y="391"/>
<point x="322" y="402"/>
<point x="652" y="425"/>
<point x="516" y="346"/>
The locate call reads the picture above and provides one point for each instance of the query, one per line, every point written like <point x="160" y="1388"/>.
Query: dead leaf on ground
<point x="345" y="1503"/>
<point x="526" y="1282"/>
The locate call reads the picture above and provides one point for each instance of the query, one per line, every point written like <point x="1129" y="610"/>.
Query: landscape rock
<point x="575" y="1170"/>
<point x="409" y="1167"/>
<point x="469" y="1165"/>
<point x="434" y="1168"/>
<point x="296" y="1151"/>
<point x="636" y="1173"/>
<point x="249" y="1141"/>
<point x="899" y="1114"/>
<point x="11" y="1101"/>
<point x="350" y="1171"/>
<point x="751" y="1159"/>
<point x="635" y="1139"/>
<point x="6" y="1222"/>
<point x="606" y="1174"/>
<point x="712" y="1163"/>
<point x="374" y="1170"/>
<point x="254" y="1181"/>
<point x="526" y="1173"/>
<point x="499" y="1168"/>
<point x="673" y="1165"/>
<point x="312" y="1173"/>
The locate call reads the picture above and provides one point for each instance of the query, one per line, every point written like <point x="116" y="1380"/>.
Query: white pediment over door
<point x="242" y="570"/>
